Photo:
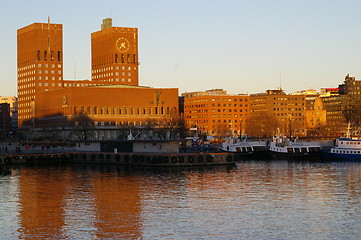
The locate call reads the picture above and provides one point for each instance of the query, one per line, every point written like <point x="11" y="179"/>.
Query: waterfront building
<point x="5" y="120"/>
<point x="40" y="65"/>
<point x="110" y="106"/>
<point x="275" y="111"/>
<point x="13" y="101"/>
<point x="216" y="113"/>
<point x="343" y="106"/>
<point x="315" y="113"/>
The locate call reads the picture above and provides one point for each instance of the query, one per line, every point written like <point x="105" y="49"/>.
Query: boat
<point x="289" y="148"/>
<point x="345" y="148"/>
<point x="244" y="147"/>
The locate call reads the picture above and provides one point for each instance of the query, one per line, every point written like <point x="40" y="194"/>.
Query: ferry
<point x="288" y="148"/>
<point x="244" y="147"/>
<point x="345" y="149"/>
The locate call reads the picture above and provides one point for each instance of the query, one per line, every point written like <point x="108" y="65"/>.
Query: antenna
<point x="74" y="70"/>
<point x="49" y="34"/>
<point x="280" y="81"/>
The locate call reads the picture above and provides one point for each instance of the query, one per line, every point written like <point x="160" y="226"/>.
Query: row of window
<point x="25" y="68"/>
<point x="230" y="99"/>
<point x="121" y="110"/>
<point x="350" y="143"/>
<point x="289" y="103"/>
<point x="100" y="70"/>
<point x="26" y="74"/>
<point x="214" y="110"/>
<point x="48" y="78"/>
<point x="289" y="98"/>
<point x="28" y="98"/>
<point x="218" y="116"/>
<point x="51" y="55"/>
<point x="48" y="84"/>
<point x="111" y="59"/>
<point x="48" y="65"/>
<point x="125" y="110"/>
<point x="216" y="105"/>
<point x="289" y="109"/>
<point x="26" y="86"/>
<point x="350" y="152"/>
<point x="112" y="74"/>
<point x="47" y="71"/>
<point x="114" y="79"/>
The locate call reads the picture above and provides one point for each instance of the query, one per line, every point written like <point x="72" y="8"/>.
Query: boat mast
<point x="348" y="133"/>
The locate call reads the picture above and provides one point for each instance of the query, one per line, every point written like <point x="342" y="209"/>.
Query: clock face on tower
<point x="122" y="44"/>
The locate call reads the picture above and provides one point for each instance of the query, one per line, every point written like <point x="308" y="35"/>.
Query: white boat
<point x="244" y="147"/>
<point x="287" y="148"/>
<point x="344" y="149"/>
<point x="348" y="148"/>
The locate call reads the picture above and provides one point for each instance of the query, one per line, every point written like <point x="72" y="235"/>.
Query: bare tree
<point x="262" y="125"/>
<point x="168" y="127"/>
<point x="82" y="126"/>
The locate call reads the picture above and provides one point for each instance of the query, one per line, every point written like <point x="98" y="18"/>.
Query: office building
<point x="216" y="113"/>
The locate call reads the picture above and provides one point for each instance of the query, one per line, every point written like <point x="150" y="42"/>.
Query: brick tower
<point x="115" y="54"/>
<point x="40" y="65"/>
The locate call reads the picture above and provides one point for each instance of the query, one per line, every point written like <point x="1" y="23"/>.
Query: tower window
<point x="45" y="53"/>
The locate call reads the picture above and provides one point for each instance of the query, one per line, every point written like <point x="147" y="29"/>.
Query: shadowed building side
<point x="108" y="108"/>
<point x="40" y="65"/>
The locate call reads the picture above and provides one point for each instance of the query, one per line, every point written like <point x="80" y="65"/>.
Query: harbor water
<point x="254" y="200"/>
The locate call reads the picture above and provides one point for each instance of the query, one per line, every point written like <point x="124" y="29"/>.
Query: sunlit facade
<point x="111" y="101"/>
<point x="216" y="113"/>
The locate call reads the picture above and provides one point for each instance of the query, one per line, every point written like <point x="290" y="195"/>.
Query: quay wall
<point x="135" y="159"/>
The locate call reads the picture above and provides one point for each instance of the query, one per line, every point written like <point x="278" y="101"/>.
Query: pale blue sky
<point x="240" y="46"/>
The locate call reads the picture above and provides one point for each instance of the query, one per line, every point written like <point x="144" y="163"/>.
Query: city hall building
<point x="109" y="106"/>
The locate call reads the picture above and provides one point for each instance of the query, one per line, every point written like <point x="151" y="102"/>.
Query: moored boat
<point x="244" y="147"/>
<point x="347" y="149"/>
<point x="287" y="148"/>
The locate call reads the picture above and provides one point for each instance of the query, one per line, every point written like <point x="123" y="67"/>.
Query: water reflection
<point x="255" y="200"/>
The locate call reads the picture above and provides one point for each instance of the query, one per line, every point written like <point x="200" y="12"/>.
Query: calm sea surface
<point x="255" y="200"/>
